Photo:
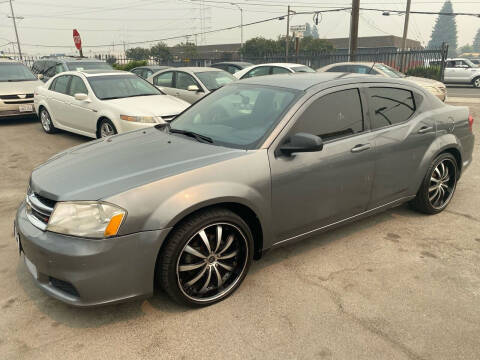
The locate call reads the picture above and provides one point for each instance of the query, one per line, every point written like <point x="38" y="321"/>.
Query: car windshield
<point x="15" y="72"/>
<point x="390" y="72"/>
<point x="215" y="79"/>
<point x="108" y="87"/>
<point x="237" y="115"/>
<point x="303" y="69"/>
<point x="88" y="65"/>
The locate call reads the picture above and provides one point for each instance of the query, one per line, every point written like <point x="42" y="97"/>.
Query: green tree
<point x="310" y="44"/>
<point x="315" y="32"/>
<point x="445" y="30"/>
<point x="187" y="50"/>
<point x="137" y="53"/>
<point x="308" y="30"/>
<point x="259" y="46"/>
<point x="160" y="52"/>
<point x="466" y="49"/>
<point x="476" y="42"/>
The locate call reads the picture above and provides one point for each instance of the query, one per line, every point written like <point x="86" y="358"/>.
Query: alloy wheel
<point x="476" y="82"/>
<point x="442" y="183"/>
<point x="46" y="121"/>
<point x="106" y="130"/>
<point x="212" y="262"/>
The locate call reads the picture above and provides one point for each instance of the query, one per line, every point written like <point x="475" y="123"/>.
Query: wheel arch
<point x="99" y="120"/>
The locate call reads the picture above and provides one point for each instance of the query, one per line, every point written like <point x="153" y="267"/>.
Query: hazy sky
<point x="110" y="22"/>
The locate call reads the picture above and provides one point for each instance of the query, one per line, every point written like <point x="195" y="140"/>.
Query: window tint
<point x="59" y="68"/>
<point x="61" y="84"/>
<point x="184" y="80"/>
<point x="450" y="64"/>
<point x="279" y="70"/>
<point x="50" y="72"/>
<point x="77" y="86"/>
<point x="164" y="79"/>
<point x="303" y="69"/>
<point x="232" y="69"/>
<point x="340" y="68"/>
<point x="332" y="116"/>
<point x="147" y="73"/>
<point x="389" y="106"/>
<point x="260" y="71"/>
<point x="137" y="71"/>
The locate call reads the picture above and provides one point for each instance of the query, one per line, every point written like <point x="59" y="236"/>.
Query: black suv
<point x="49" y="67"/>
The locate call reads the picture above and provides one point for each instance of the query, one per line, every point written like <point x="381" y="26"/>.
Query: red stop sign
<point x="76" y="39"/>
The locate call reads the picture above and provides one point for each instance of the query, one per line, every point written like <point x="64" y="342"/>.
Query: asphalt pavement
<point x="398" y="285"/>
<point x="463" y="91"/>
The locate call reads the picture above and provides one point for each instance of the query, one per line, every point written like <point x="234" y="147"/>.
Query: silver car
<point x="190" y="83"/>
<point x="255" y="165"/>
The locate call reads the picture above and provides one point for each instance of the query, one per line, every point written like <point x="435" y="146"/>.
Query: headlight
<point x="86" y="218"/>
<point x="140" y="119"/>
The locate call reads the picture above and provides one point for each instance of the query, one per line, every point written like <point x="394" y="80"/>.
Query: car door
<point x="402" y="135"/>
<point x="58" y="99"/>
<point x="164" y="81"/>
<point x="182" y="81"/>
<point x="314" y="189"/>
<point x="83" y="115"/>
<point x="465" y="71"/>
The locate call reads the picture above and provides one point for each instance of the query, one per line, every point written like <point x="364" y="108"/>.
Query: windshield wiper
<point x="198" y="137"/>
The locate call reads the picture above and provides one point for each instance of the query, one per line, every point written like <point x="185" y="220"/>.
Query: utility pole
<point x="354" y="29"/>
<point x="16" y="32"/>
<point x="241" y="23"/>
<point x="286" y="38"/>
<point x="405" y="32"/>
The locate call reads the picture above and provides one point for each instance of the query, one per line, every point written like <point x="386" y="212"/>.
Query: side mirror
<point x="39" y="76"/>
<point x="302" y="142"/>
<point x="193" y="88"/>
<point x="81" y="97"/>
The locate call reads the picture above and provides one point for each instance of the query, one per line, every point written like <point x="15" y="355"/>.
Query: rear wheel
<point x="206" y="258"/>
<point x="476" y="82"/>
<point x="46" y="122"/>
<point x="106" y="128"/>
<point x="438" y="186"/>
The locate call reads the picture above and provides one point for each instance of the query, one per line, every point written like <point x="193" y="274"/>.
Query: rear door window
<point x="164" y="79"/>
<point x="77" y="86"/>
<point x="333" y="116"/>
<point x="280" y="70"/>
<point x="390" y="106"/>
<point x="259" y="71"/>
<point x="184" y="80"/>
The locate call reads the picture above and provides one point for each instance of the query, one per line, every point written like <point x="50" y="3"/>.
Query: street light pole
<point x="16" y="32"/>
<point x="286" y="38"/>
<point x="405" y="32"/>
<point x="241" y="24"/>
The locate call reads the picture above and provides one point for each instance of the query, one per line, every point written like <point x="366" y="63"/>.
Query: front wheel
<point x="476" y="82"/>
<point x="46" y="121"/>
<point x="438" y="185"/>
<point x="106" y="128"/>
<point x="206" y="258"/>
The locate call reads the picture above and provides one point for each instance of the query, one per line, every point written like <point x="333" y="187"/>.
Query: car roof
<point x="280" y="64"/>
<point x="96" y="72"/>
<point x="366" y="63"/>
<point x="304" y="81"/>
<point x="233" y="63"/>
<point x="70" y="59"/>
<point x="152" y="67"/>
<point x="195" y="68"/>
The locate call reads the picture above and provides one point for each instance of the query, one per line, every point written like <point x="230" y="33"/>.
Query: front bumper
<point x="13" y="110"/>
<point x="126" y="126"/>
<point x="86" y="272"/>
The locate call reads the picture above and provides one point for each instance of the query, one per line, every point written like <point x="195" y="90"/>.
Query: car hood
<point x="424" y="81"/>
<point x="105" y="167"/>
<point x="18" y="87"/>
<point x="157" y="105"/>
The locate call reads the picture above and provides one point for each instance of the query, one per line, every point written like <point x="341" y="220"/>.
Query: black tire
<point x="437" y="190"/>
<point x="476" y="82"/>
<point x="176" y="256"/>
<point x="46" y="121"/>
<point x="105" y="128"/>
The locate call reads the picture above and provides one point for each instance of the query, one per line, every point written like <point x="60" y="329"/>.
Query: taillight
<point x="470" y="122"/>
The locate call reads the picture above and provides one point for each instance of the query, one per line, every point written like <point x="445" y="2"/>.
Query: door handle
<point x="425" y="129"/>
<point x="360" y="147"/>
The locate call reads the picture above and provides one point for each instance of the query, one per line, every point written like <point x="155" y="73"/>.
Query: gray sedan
<point x="255" y="165"/>
<point x="190" y="83"/>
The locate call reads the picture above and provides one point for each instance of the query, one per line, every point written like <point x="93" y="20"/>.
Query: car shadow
<point x="160" y="302"/>
<point x="9" y="121"/>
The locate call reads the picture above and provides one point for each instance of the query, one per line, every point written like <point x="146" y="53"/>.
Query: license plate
<point x="31" y="267"/>
<point x="25" y="108"/>
<point x="17" y="238"/>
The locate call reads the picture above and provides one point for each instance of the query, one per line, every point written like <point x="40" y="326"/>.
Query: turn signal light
<point x="470" y="122"/>
<point x="113" y="225"/>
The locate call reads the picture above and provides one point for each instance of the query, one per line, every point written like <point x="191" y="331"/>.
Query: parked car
<point x="272" y="69"/>
<point x="460" y="71"/>
<point x="475" y="61"/>
<point x="48" y="67"/>
<point x="98" y="103"/>
<point x="257" y="164"/>
<point x="146" y="71"/>
<point x="190" y="83"/>
<point x="437" y="88"/>
<point x="231" y="66"/>
<point x="17" y="84"/>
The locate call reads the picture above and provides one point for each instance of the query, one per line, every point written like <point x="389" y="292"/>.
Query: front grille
<point x="64" y="286"/>
<point x="19" y="102"/>
<point x="39" y="209"/>
<point x="16" y="97"/>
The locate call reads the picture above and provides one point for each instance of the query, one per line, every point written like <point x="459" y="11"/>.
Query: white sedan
<point x="99" y="103"/>
<point x="272" y="69"/>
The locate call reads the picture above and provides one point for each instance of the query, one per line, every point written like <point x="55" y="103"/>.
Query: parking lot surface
<point x="463" y="91"/>
<point x="399" y="285"/>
